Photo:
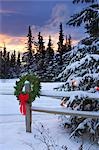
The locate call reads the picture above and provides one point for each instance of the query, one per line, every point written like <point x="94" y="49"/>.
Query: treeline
<point x="45" y="62"/>
<point x="10" y="64"/>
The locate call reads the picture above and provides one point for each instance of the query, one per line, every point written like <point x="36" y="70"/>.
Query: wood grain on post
<point x="28" y="118"/>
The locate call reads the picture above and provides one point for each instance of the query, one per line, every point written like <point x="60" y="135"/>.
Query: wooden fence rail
<point x="64" y="111"/>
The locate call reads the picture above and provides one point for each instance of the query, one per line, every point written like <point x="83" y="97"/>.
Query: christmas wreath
<point x="34" y="85"/>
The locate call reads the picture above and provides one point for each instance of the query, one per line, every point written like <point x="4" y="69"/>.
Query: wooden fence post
<point x="28" y="117"/>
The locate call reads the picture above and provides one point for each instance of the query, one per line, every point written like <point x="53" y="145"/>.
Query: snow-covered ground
<point x="12" y="123"/>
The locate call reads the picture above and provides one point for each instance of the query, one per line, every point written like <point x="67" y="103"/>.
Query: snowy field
<point x="12" y="123"/>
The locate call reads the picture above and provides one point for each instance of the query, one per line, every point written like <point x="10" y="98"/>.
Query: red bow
<point x="23" y="99"/>
<point x="97" y="88"/>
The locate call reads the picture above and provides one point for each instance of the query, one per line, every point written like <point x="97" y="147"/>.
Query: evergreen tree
<point x="13" y="65"/>
<point x="60" y="43"/>
<point x="28" y="56"/>
<point x="13" y="59"/>
<point x="89" y="16"/>
<point x="18" y="67"/>
<point x="40" y="57"/>
<point x="4" y="52"/>
<point x="8" y="64"/>
<point x="49" y="51"/>
<point x="41" y="47"/>
<point x="49" y="58"/>
<point x="18" y="60"/>
<point x="1" y="65"/>
<point x="82" y="75"/>
<point x="29" y="48"/>
<point x="2" y="68"/>
<point x="5" y="64"/>
<point x="61" y="39"/>
<point x="39" y="42"/>
<point x="0" y="61"/>
<point x="0" y="54"/>
<point x="66" y="43"/>
<point x="8" y="57"/>
<point x="69" y="43"/>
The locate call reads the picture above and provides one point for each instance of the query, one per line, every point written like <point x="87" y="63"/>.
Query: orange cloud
<point x="13" y="42"/>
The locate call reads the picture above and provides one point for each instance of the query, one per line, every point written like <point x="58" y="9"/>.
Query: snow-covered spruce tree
<point x="48" y="62"/>
<point x="40" y="58"/>
<point x="29" y="62"/>
<point x="61" y="56"/>
<point x="60" y="44"/>
<point x="29" y="48"/>
<point x="81" y="76"/>
<point x="89" y="16"/>
<point x="49" y="51"/>
<point x="18" y="66"/>
<point x="13" y="65"/>
<point x="4" y="64"/>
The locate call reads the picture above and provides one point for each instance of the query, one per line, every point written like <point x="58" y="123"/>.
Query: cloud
<point x="51" y="27"/>
<point x="12" y="42"/>
<point x="59" y="13"/>
<point x="3" y="11"/>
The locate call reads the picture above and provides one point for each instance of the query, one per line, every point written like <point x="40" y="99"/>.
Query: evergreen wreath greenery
<point x="34" y="83"/>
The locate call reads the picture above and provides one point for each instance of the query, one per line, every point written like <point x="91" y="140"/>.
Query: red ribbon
<point x="97" y="88"/>
<point x="23" y="99"/>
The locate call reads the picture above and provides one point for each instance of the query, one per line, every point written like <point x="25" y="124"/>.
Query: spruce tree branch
<point x="84" y="1"/>
<point x="86" y="16"/>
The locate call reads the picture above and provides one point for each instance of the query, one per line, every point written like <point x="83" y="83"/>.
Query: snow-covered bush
<point x="43" y="135"/>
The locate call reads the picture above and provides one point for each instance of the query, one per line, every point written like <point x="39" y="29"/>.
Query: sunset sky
<point x="44" y="16"/>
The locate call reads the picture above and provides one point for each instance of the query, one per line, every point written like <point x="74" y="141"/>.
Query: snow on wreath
<point x="34" y="87"/>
